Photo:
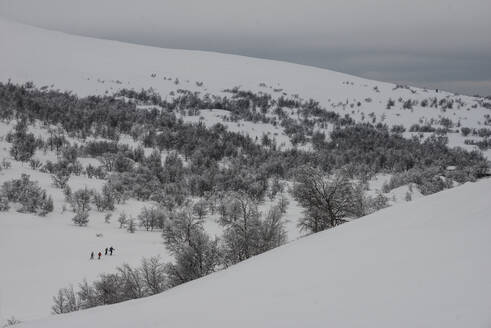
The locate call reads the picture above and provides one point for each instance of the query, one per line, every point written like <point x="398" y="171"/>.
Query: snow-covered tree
<point x="65" y="301"/>
<point x="122" y="220"/>
<point x="28" y="193"/>
<point x="23" y="143"/>
<point x="81" y="218"/>
<point x="241" y="237"/>
<point x="152" y="217"/>
<point x="60" y="178"/>
<point x="196" y="254"/>
<point x="153" y="275"/>
<point x="80" y="200"/>
<point x="131" y="226"/>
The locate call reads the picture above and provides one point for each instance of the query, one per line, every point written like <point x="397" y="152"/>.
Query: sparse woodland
<point x="213" y="170"/>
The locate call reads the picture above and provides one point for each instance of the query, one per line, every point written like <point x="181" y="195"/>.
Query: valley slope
<point x="421" y="264"/>
<point x="88" y="66"/>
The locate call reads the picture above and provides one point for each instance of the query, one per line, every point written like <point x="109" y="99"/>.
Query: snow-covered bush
<point x="46" y="206"/>
<point x="4" y="203"/>
<point x="98" y="201"/>
<point x="151" y="218"/>
<point x="98" y="172"/>
<point x="81" y="218"/>
<point x="122" y="220"/>
<point x="80" y="200"/>
<point x="131" y="226"/>
<point x="60" y="179"/>
<point x="6" y="164"/>
<point x="33" y="199"/>
<point x="127" y="283"/>
<point x="35" y="163"/>
<point x="12" y="321"/>
<point x="65" y="301"/>
<point x="23" y="143"/>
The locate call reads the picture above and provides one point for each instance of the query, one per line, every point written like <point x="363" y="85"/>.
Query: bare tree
<point x="153" y="274"/>
<point x="328" y="200"/>
<point x="246" y="234"/>
<point x="273" y="232"/>
<point x="132" y="285"/>
<point x="242" y="228"/>
<point x="151" y="218"/>
<point x="196" y="254"/>
<point x="179" y="232"/>
<point x="66" y="301"/>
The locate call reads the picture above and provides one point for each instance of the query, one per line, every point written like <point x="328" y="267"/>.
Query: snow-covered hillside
<point x="92" y="66"/>
<point x="41" y="254"/>
<point x="422" y="264"/>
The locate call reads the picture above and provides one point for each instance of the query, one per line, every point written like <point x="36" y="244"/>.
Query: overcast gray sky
<point x="442" y="44"/>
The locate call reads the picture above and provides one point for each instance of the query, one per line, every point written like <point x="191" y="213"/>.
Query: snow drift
<point x="420" y="264"/>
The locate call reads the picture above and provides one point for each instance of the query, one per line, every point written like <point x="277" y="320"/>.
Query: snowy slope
<point x="93" y="66"/>
<point x="421" y="264"/>
<point x="42" y="254"/>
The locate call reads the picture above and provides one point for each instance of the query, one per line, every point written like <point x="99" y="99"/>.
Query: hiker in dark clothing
<point x="92" y="255"/>
<point x="100" y="254"/>
<point x="106" y="251"/>
<point x="111" y="249"/>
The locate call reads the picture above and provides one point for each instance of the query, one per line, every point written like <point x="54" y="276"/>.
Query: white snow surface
<point x="418" y="264"/>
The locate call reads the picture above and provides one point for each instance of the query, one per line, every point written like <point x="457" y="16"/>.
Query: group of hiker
<point x="109" y="250"/>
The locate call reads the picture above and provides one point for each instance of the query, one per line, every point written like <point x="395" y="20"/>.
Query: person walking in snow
<point x="92" y="255"/>
<point x="111" y="249"/>
<point x="100" y="254"/>
<point x="106" y="252"/>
